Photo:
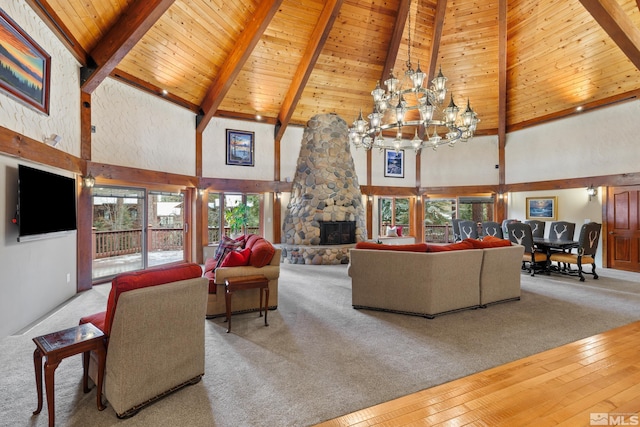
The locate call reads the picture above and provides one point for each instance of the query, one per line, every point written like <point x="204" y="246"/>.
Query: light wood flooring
<point x="594" y="381"/>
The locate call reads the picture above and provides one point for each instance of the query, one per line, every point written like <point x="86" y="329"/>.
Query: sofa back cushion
<point x="489" y="242"/>
<point x="145" y="278"/>
<point x="415" y="247"/>
<point x="262" y="252"/>
<point x="465" y="244"/>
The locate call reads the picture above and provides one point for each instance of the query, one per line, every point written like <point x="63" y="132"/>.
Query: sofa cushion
<point x="489" y="242"/>
<point x="237" y="258"/>
<point x="414" y="247"/>
<point x="141" y="279"/>
<point x="210" y="264"/>
<point x="227" y="245"/>
<point x="451" y="247"/>
<point x="261" y="253"/>
<point x="251" y="240"/>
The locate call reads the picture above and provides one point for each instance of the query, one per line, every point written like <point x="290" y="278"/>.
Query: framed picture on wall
<point x="542" y="208"/>
<point x="394" y="163"/>
<point x="240" y="146"/>
<point x="25" y="68"/>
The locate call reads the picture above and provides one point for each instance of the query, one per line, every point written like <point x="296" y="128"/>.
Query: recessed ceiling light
<point x="165" y="92"/>
<point x="579" y="108"/>
<point x="258" y="117"/>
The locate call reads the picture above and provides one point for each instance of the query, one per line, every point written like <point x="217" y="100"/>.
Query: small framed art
<point x="240" y="146"/>
<point x="394" y="163"/>
<point x="542" y="208"/>
<point x="25" y="68"/>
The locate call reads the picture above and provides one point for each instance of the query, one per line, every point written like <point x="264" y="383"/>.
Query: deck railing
<point x="438" y="233"/>
<point x="113" y="243"/>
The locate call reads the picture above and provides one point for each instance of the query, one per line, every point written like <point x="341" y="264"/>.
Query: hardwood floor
<point x="578" y="384"/>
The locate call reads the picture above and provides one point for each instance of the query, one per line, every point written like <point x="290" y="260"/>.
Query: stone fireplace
<point x="325" y="195"/>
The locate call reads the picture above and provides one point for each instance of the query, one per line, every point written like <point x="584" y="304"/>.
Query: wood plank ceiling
<point x="287" y="60"/>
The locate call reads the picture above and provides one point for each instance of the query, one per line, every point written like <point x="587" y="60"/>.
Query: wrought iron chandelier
<point x="396" y="107"/>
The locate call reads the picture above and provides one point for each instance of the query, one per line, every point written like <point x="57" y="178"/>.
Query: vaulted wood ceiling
<point x="287" y="60"/>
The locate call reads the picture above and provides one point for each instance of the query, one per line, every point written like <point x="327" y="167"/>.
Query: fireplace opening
<point x="337" y="232"/>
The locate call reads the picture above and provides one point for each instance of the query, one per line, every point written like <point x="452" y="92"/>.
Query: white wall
<point x="138" y="130"/>
<point x="34" y="274"/>
<point x="601" y="142"/>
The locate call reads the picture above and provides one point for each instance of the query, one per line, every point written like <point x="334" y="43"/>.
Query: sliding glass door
<point x="134" y="229"/>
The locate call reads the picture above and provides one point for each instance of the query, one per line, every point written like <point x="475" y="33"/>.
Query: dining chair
<point x="505" y="232"/>
<point x="537" y="227"/>
<point x="456" y="229"/>
<point x="492" y="228"/>
<point x="561" y="230"/>
<point x="521" y="234"/>
<point x="587" y="247"/>
<point x="468" y="230"/>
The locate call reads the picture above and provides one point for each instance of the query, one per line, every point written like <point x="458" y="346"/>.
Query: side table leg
<point x="227" y="300"/>
<point x="49" y="371"/>
<point x="102" y="356"/>
<point x="266" y="304"/>
<point x="260" y="306"/>
<point x="37" y="363"/>
<point x="86" y="359"/>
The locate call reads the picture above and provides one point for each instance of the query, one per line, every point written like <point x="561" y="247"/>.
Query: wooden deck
<point x="594" y="381"/>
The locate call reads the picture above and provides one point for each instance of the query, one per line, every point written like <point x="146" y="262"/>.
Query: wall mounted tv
<point x="46" y="204"/>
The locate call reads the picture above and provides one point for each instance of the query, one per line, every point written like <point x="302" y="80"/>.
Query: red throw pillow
<point x="415" y="247"/>
<point x="451" y="247"/>
<point x="490" y="242"/>
<point x="210" y="264"/>
<point x="251" y="240"/>
<point x="237" y="258"/>
<point x="261" y="253"/>
<point x="399" y="230"/>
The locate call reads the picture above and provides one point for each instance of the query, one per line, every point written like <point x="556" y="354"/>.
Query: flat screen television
<point x="46" y="204"/>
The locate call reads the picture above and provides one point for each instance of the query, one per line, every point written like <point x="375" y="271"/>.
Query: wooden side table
<point x="59" y="345"/>
<point x="241" y="283"/>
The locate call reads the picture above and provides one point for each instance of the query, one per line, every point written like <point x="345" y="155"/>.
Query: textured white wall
<point x="214" y="150"/>
<point x="138" y="130"/>
<point x="64" y="110"/>
<point x="600" y="142"/>
<point x="289" y="151"/>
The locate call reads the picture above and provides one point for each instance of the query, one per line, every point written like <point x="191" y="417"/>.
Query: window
<point x="218" y="203"/>
<point x="393" y="211"/>
<point x="438" y="214"/>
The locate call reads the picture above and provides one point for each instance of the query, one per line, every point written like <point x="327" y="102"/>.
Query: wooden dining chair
<point x="587" y="247"/>
<point x="521" y="234"/>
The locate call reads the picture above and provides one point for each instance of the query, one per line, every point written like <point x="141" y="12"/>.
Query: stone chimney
<point x="325" y="186"/>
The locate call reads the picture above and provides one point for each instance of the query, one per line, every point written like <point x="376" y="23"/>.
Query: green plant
<point x="236" y="217"/>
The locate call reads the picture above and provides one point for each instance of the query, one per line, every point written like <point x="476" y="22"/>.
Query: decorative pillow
<point x="391" y="232"/>
<point x="251" y="240"/>
<point x="228" y="243"/>
<point x="237" y="258"/>
<point x="489" y="242"/>
<point x="415" y="247"/>
<point x="451" y="247"/>
<point x="399" y="230"/>
<point x="261" y="253"/>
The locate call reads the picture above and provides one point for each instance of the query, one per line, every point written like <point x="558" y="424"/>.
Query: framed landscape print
<point x="24" y="67"/>
<point x="240" y="147"/>
<point x="394" y="163"/>
<point x="542" y="208"/>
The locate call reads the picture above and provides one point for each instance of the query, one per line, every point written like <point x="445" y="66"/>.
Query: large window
<point x="438" y="214"/>
<point x="393" y="211"/>
<point x="134" y="229"/>
<point x="220" y="203"/>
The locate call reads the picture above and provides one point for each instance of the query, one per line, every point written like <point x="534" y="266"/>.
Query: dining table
<point x="549" y="245"/>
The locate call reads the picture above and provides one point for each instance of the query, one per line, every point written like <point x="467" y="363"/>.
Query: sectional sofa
<point x="429" y="280"/>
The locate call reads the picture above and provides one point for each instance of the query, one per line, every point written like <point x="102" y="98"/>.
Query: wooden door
<point x="623" y="206"/>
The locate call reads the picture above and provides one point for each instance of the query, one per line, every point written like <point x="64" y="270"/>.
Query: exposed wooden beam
<point x="501" y="207"/>
<point x="396" y="39"/>
<point x="613" y="19"/>
<point x="55" y="24"/>
<point x="305" y="67"/>
<point x="233" y="64"/>
<point x="438" y="23"/>
<point x="139" y="17"/>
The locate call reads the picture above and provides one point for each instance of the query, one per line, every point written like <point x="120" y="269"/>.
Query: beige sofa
<point x="433" y="283"/>
<point x="244" y="301"/>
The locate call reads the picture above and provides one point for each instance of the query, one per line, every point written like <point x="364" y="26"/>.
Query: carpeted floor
<point x="320" y="358"/>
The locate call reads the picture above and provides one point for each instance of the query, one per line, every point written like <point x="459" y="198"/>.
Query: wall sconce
<point x="277" y="195"/>
<point x="201" y="191"/>
<point x="52" y="140"/>
<point x="88" y="181"/>
<point x="592" y="192"/>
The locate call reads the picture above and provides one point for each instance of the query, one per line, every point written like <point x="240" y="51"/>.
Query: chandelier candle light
<point x="393" y="110"/>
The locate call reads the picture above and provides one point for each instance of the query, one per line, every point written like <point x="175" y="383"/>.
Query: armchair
<point x="154" y="324"/>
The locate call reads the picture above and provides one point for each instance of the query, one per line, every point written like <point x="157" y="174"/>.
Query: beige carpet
<point x="320" y="358"/>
